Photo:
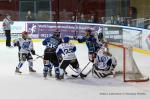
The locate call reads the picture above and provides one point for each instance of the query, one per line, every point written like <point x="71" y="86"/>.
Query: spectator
<point x="92" y="19"/>
<point x="73" y="18"/>
<point x="29" y="16"/>
<point x="108" y="21"/>
<point x="82" y="18"/>
<point x="128" y="22"/>
<point x="7" y="22"/>
<point x="102" y="20"/>
<point x="112" y="19"/>
<point x="122" y="21"/>
<point x="64" y="15"/>
<point x="125" y="22"/>
<point x="118" y="19"/>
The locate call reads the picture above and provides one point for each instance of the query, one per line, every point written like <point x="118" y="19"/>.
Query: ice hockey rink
<point x="33" y="86"/>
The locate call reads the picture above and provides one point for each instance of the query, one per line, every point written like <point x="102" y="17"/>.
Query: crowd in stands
<point x="114" y="20"/>
<point x="91" y="18"/>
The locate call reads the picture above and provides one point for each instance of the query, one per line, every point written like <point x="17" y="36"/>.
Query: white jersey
<point x="25" y="46"/>
<point x="67" y="51"/>
<point x="7" y="24"/>
<point x="101" y="61"/>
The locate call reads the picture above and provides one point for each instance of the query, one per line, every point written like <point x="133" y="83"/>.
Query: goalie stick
<point x="89" y="72"/>
<point x="86" y="73"/>
<point x="81" y="70"/>
<point x="73" y="69"/>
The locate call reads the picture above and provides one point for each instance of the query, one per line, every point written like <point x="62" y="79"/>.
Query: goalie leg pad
<point x="101" y="73"/>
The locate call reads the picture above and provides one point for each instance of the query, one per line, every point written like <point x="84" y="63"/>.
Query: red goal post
<point x="126" y="65"/>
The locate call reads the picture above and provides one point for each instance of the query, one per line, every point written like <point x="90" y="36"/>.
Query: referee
<point x="7" y="22"/>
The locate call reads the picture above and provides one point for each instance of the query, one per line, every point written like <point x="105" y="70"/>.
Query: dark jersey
<point x="91" y="43"/>
<point x="52" y="43"/>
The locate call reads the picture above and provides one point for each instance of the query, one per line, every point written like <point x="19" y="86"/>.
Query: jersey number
<point x="66" y="51"/>
<point x="52" y="45"/>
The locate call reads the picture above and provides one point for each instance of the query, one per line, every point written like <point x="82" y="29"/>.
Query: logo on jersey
<point x="25" y="45"/>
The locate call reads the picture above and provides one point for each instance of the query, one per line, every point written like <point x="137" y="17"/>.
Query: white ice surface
<point x="33" y="86"/>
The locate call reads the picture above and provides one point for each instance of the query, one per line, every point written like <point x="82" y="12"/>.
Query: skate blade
<point x="45" y="78"/>
<point x="18" y="73"/>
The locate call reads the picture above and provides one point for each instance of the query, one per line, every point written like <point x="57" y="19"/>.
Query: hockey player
<point x="7" y="22"/>
<point x="101" y="41"/>
<point x="67" y="51"/>
<point x="104" y="64"/>
<point x="50" y="57"/>
<point x="92" y="45"/>
<point x="25" y="46"/>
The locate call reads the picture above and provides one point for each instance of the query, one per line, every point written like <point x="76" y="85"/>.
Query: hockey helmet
<point x="56" y="33"/>
<point x="88" y="31"/>
<point x="66" y="39"/>
<point x="24" y="33"/>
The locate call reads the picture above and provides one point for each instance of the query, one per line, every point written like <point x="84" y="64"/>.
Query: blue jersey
<point x="92" y="44"/>
<point x="52" y="42"/>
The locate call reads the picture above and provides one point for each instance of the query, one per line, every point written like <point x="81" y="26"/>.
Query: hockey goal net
<point x="126" y="65"/>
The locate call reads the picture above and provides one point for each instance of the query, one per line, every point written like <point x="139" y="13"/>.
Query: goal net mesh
<point x="126" y="64"/>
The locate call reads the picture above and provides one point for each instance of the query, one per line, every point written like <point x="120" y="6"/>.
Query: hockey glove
<point x="33" y="52"/>
<point x="15" y="43"/>
<point x="60" y="58"/>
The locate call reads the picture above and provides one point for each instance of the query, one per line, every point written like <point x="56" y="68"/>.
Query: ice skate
<point x="32" y="70"/>
<point x="18" y="71"/>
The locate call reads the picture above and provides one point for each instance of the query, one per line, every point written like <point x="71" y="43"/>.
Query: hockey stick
<point x="73" y="69"/>
<point x="38" y="56"/>
<point x="81" y="70"/>
<point x="88" y="72"/>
